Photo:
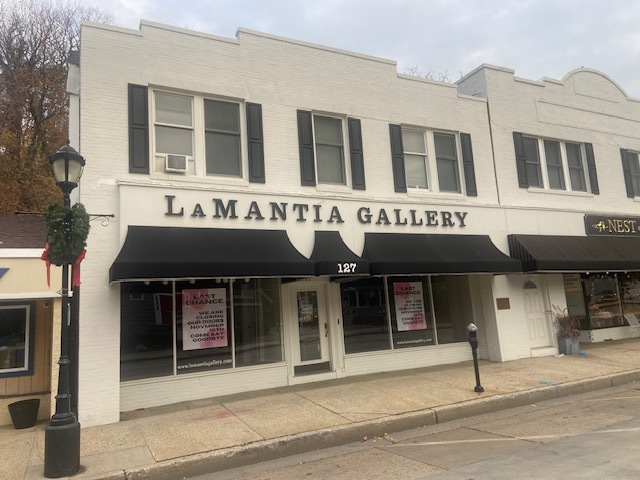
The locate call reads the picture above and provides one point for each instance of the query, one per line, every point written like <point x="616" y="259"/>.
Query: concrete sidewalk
<point x="193" y="438"/>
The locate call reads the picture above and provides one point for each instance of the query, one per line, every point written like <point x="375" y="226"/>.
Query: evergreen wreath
<point x="67" y="232"/>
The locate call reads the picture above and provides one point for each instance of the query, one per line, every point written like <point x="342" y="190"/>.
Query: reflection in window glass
<point x="364" y="316"/>
<point x="146" y="331"/>
<point x="554" y="164"/>
<point x="630" y="293"/>
<point x="452" y="306"/>
<point x="603" y="304"/>
<point x="258" y="336"/>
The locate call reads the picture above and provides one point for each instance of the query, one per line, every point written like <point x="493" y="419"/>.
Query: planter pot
<point x="24" y="414"/>
<point x="569" y="345"/>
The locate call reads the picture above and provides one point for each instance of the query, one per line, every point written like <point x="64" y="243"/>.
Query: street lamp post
<point x="473" y="341"/>
<point x="62" y="435"/>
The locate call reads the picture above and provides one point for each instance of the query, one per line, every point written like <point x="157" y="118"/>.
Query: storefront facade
<point x="290" y="213"/>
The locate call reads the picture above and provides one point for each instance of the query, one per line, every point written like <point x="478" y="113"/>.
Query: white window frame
<point x="197" y="163"/>
<point x="29" y="318"/>
<point x="431" y="163"/>
<point x="542" y="159"/>
<point x="636" y="160"/>
<point x="346" y="160"/>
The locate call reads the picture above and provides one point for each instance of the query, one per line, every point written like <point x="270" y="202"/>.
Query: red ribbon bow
<point x="75" y="281"/>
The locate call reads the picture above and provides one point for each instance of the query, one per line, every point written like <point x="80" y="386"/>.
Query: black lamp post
<point x="473" y="341"/>
<point x="62" y="435"/>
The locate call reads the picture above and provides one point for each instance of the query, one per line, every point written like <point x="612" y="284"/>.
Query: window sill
<point x="328" y="188"/>
<point x="196" y="179"/>
<point x="566" y="193"/>
<point x="423" y="193"/>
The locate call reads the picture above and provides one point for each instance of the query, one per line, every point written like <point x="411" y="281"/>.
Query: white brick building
<point x="288" y="213"/>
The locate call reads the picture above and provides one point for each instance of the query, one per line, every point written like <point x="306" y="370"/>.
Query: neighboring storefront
<point x="28" y="307"/>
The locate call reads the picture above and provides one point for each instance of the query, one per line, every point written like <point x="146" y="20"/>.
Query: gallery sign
<point x="612" y="226"/>
<point x="217" y="209"/>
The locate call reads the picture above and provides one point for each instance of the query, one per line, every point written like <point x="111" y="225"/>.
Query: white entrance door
<point x="310" y="332"/>
<point x="537" y="318"/>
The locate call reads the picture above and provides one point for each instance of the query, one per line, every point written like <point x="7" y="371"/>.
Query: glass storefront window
<point x="630" y="293"/>
<point x="364" y="316"/>
<point x="146" y="330"/>
<point x="207" y="336"/>
<point x="602" y="301"/>
<point x="412" y="320"/>
<point x="452" y="307"/>
<point x="257" y="332"/>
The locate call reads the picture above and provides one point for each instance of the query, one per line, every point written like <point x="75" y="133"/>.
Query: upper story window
<point x="326" y="157"/>
<point x="329" y="144"/>
<point x="194" y="135"/>
<point x="439" y="171"/>
<point x="222" y="138"/>
<point x="631" y="170"/>
<point x="555" y="164"/>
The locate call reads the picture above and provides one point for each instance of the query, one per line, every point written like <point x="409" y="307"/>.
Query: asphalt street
<point x="588" y="436"/>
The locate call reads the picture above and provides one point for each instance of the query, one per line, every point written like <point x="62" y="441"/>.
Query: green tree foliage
<point x="36" y="37"/>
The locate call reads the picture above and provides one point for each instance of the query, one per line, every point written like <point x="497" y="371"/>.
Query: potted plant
<point x="568" y="331"/>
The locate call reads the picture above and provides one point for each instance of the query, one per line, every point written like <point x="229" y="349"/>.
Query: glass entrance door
<point x="311" y="330"/>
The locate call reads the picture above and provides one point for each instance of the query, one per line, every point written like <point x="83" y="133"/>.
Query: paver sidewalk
<point x="196" y="437"/>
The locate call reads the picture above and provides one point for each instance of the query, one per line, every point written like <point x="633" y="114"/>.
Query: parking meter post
<point x="473" y="341"/>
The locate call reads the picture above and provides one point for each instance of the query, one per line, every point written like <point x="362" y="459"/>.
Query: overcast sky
<point x="543" y="38"/>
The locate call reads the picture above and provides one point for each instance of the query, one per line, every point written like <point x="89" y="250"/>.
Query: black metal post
<point x="62" y="435"/>
<point x="473" y="341"/>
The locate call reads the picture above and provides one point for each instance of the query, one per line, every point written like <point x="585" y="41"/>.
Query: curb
<point x="242" y="455"/>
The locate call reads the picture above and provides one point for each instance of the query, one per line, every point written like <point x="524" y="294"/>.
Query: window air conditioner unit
<point x="176" y="163"/>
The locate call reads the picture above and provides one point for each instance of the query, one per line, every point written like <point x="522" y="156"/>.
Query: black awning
<point x="558" y="253"/>
<point x="173" y="252"/>
<point x="402" y="253"/>
<point x="332" y="257"/>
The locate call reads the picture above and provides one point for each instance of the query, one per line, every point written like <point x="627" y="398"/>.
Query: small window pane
<point x="445" y="145"/>
<point x="173" y="109"/>
<point x="413" y="141"/>
<point x="574" y="157"/>
<point x="178" y="141"/>
<point x="223" y="154"/>
<point x="634" y="168"/>
<point x="552" y="152"/>
<point x="330" y="164"/>
<point x="447" y="162"/>
<point x="415" y="171"/>
<point x="223" y="116"/>
<point x="530" y="149"/>
<point x="533" y="175"/>
<point x="448" y="175"/>
<point x="328" y="130"/>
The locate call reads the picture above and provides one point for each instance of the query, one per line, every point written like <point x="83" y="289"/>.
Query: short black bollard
<point x="473" y="341"/>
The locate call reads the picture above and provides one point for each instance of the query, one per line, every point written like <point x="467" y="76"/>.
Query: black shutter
<point x="591" y="167"/>
<point x="521" y="163"/>
<point x="627" y="173"/>
<point x="305" y="141"/>
<point x="397" y="158"/>
<point x="467" y="164"/>
<point x="138" y="129"/>
<point x="255" y="143"/>
<point x="357" y="155"/>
